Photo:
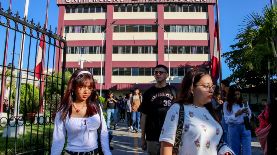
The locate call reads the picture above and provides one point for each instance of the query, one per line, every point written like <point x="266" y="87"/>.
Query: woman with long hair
<point x="237" y="116"/>
<point x="201" y="132"/>
<point x="79" y="120"/>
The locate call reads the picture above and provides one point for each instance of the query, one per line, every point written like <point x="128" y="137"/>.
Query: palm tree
<point x="255" y="47"/>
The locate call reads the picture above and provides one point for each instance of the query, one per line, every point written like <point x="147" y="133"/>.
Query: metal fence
<point x="32" y="83"/>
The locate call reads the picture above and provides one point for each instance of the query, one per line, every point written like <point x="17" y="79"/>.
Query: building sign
<point x="59" y="2"/>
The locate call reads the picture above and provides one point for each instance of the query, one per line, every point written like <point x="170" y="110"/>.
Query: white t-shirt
<point x="81" y="134"/>
<point x="201" y="132"/>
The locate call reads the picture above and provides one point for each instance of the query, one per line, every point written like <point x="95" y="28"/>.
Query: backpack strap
<point x="179" y="130"/>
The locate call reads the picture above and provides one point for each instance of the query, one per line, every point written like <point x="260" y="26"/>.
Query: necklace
<point x="78" y="109"/>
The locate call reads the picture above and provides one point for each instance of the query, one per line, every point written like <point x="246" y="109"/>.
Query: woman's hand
<point x="241" y="111"/>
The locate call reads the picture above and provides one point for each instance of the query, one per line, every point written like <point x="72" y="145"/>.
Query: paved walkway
<point x="127" y="143"/>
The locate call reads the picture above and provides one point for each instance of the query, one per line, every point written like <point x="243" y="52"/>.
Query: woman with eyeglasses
<point x="201" y="132"/>
<point x="237" y="116"/>
<point x="79" y="120"/>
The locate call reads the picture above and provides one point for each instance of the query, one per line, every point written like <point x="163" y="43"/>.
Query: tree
<point x="255" y="47"/>
<point x="53" y="91"/>
<point x="29" y="98"/>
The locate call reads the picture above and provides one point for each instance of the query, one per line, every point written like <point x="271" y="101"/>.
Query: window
<point x="122" y="8"/>
<point x="115" y="71"/>
<point x="180" y="49"/>
<point x="67" y="9"/>
<point x="166" y="8"/>
<point x="206" y="50"/>
<point x="80" y="9"/>
<point x="141" y="28"/>
<point x="187" y="50"/>
<point x="86" y="9"/>
<point x="141" y="8"/>
<point x="92" y="9"/>
<point x="115" y="49"/>
<point x="66" y="29"/>
<point x="148" y="28"/>
<point x="148" y="71"/>
<point x="122" y="28"/>
<point x="129" y="28"/>
<point x="127" y="49"/>
<point x="135" y="50"/>
<point x="129" y="7"/>
<point x="116" y="28"/>
<point x="135" y="8"/>
<point x="115" y="8"/>
<point x="185" y="8"/>
<point x="191" y="28"/>
<point x="135" y="71"/>
<point x="98" y="9"/>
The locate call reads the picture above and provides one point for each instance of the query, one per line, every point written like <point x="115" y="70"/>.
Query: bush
<point x="29" y="99"/>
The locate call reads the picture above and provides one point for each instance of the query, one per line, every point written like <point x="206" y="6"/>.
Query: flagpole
<point x="219" y="44"/>
<point x="41" y="90"/>
<point x="3" y="79"/>
<point x="20" y="64"/>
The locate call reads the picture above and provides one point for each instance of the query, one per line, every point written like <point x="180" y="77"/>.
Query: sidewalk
<point x="127" y="143"/>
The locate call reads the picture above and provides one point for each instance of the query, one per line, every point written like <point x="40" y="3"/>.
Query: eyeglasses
<point x="207" y="87"/>
<point x="159" y="72"/>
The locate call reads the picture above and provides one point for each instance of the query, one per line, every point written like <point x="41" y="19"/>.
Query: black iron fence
<point x="32" y="83"/>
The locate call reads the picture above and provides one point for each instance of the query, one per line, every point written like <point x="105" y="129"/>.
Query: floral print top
<point x="201" y="132"/>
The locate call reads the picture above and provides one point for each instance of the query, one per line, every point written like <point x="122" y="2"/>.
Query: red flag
<point x="215" y="57"/>
<point x="39" y="60"/>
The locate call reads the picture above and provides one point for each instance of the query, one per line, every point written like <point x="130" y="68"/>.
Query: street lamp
<point x="101" y="55"/>
<point x="168" y="50"/>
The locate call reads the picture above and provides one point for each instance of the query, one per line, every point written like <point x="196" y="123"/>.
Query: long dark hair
<point x="77" y="80"/>
<point x="189" y="81"/>
<point x="231" y="97"/>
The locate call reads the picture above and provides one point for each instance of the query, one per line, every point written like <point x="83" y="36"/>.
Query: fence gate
<point x="32" y="83"/>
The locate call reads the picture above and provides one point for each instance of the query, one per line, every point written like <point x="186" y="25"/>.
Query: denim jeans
<point x="136" y="120"/>
<point x="239" y="139"/>
<point x="111" y="113"/>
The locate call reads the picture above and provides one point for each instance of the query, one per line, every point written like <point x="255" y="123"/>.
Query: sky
<point x="232" y="14"/>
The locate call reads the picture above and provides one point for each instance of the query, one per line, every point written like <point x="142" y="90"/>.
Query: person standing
<point x="237" y="116"/>
<point x="135" y="102"/>
<point x="79" y="119"/>
<point x="225" y="84"/>
<point x="155" y="103"/>
<point x="201" y="130"/>
<point x="129" y="111"/>
<point x="111" y="110"/>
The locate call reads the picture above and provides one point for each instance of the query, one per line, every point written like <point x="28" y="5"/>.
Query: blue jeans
<point x="136" y="120"/>
<point x="111" y="113"/>
<point x="239" y="139"/>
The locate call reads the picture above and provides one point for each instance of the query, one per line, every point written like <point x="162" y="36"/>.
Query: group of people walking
<point x="198" y="120"/>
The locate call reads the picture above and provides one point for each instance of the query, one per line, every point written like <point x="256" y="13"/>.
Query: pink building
<point x="135" y="36"/>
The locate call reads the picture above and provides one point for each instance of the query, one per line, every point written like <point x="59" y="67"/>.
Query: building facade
<point x="120" y="41"/>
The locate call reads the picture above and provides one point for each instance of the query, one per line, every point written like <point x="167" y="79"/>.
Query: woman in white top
<point x="78" y="119"/>
<point x="236" y="112"/>
<point x="201" y="132"/>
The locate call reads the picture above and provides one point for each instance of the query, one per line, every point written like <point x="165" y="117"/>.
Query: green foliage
<point x="29" y="98"/>
<point x="255" y="46"/>
<point x="54" y="83"/>
<point x="53" y="91"/>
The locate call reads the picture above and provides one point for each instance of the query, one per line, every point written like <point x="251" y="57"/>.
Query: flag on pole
<point x="39" y="60"/>
<point x="215" y="57"/>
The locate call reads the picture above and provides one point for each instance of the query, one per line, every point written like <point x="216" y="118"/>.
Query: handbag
<point x="179" y="130"/>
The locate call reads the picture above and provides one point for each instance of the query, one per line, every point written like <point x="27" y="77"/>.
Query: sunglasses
<point x="159" y="72"/>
